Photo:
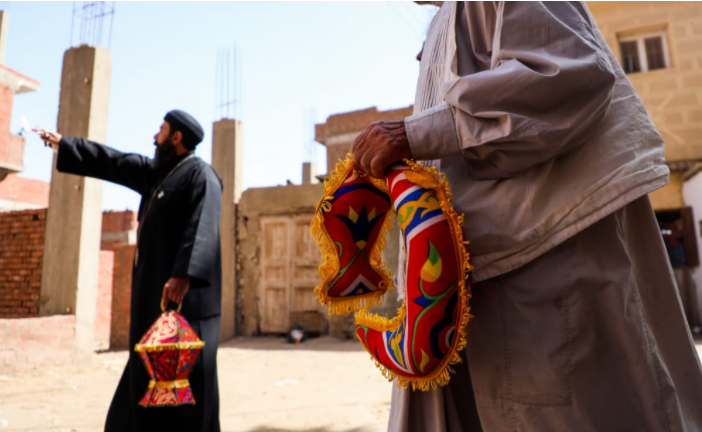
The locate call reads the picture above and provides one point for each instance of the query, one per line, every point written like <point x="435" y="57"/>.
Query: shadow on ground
<point x="272" y="343"/>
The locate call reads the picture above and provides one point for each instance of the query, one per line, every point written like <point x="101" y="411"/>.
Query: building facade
<point x="659" y="45"/>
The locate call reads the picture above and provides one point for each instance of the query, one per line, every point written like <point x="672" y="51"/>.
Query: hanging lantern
<point x="169" y="350"/>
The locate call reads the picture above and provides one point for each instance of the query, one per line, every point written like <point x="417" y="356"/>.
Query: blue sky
<point x="297" y="58"/>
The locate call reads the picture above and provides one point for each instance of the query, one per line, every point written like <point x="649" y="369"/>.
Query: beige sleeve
<point x="547" y="88"/>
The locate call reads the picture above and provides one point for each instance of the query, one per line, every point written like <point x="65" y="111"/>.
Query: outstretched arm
<point x="87" y="158"/>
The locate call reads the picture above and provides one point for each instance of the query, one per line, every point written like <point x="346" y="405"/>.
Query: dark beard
<point x="164" y="156"/>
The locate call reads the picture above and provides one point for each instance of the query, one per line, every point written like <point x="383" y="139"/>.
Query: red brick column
<point x="118" y="231"/>
<point x="121" y="297"/>
<point x="6" y="99"/>
<point x="11" y="146"/>
<point x="118" y="228"/>
<point x="103" y="308"/>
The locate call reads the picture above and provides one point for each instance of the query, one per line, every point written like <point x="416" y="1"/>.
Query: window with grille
<point x="644" y="52"/>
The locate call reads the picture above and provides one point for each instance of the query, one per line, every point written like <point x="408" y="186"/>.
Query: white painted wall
<point x="8" y="206"/>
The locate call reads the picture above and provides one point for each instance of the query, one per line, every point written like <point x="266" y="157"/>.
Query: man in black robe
<point x="177" y="260"/>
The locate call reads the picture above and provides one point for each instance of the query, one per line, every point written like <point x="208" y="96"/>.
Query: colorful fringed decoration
<point x="169" y="350"/>
<point x="350" y="227"/>
<point x="418" y="346"/>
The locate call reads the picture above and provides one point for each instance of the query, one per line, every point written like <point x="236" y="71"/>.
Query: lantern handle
<point x="163" y="306"/>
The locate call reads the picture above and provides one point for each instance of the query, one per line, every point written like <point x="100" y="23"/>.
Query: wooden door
<point x="289" y="262"/>
<point x="275" y="274"/>
<point x="305" y="266"/>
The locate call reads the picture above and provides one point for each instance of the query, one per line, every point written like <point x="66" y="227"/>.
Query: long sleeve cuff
<point x="69" y="159"/>
<point x="432" y="133"/>
<point x="62" y="155"/>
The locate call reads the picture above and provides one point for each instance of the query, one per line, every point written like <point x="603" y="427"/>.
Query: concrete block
<point x="73" y="226"/>
<point x="227" y="160"/>
<point x="4" y="21"/>
<point x="309" y="173"/>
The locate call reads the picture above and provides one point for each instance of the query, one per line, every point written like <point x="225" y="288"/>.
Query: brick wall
<point x="119" y="236"/>
<point x="119" y="221"/>
<point x="356" y="121"/>
<point x="103" y="308"/>
<point x="335" y="153"/>
<point x="32" y="343"/>
<point x="121" y="294"/>
<point x="669" y="197"/>
<point x="118" y="229"/>
<point x="21" y="256"/>
<point x="6" y="99"/>
<point x="672" y="96"/>
<point x="340" y="130"/>
<point x="11" y="146"/>
<point x="18" y="193"/>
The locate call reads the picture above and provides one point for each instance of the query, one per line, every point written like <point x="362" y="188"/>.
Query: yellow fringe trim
<point x="428" y="177"/>
<point x="329" y="269"/>
<point x="169" y="384"/>
<point x="169" y="346"/>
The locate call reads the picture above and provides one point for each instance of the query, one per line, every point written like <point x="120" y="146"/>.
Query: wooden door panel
<point x="289" y="271"/>
<point x="305" y="267"/>
<point x="305" y="247"/>
<point x="276" y="240"/>
<point x="275" y="274"/>
<point x="275" y="310"/>
<point x="304" y="299"/>
<point x="305" y="273"/>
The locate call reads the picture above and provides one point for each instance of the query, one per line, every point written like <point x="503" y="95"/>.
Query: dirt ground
<point x="266" y="385"/>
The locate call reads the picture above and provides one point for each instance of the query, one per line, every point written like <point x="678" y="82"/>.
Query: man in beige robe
<point x="550" y="154"/>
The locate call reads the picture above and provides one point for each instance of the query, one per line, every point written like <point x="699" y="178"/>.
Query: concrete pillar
<point x="72" y="244"/>
<point x="4" y="20"/>
<point x="309" y="173"/>
<point x="227" y="146"/>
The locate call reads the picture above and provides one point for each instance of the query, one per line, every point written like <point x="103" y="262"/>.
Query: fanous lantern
<point x="169" y="350"/>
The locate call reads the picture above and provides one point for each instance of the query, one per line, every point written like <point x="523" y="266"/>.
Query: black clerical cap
<point x="187" y="125"/>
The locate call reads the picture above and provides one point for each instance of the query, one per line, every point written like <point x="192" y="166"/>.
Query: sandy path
<point x="323" y="385"/>
<point x="265" y="385"/>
